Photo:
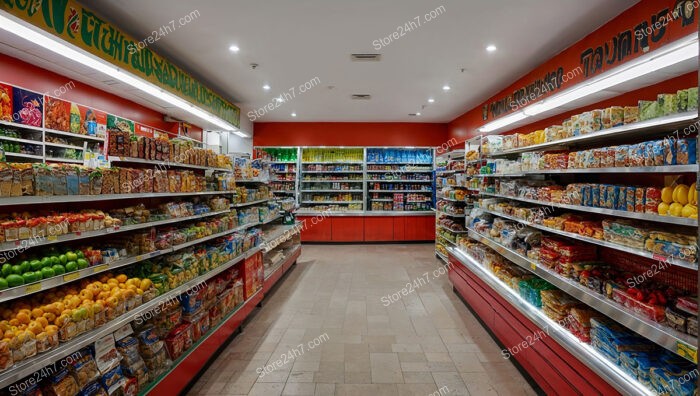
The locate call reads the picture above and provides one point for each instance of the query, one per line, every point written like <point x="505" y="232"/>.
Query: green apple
<point x="71" y="256"/>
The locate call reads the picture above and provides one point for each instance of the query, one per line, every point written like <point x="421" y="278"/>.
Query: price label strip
<point x="33" y="288"/>
<point x="100" y="268"/>
<point x="71" y="277"/>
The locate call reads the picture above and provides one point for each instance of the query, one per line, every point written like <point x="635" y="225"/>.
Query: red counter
<point x="367" y="228"/>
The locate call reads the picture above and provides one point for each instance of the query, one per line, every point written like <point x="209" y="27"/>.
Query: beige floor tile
<point x="426" y="340"/>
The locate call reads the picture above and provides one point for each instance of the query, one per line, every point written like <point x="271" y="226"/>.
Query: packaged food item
<point x="669" y="152"/>
<point x="659" y="154"/>
<point x="621" y="198"/>
<point x="686" y="151"/>
<point x="84" y="368"/>
<point x="671" y="249"/>
<point x="62" y="384"/>
<point x="93" y="389"/>
<point x="617" y="116"/>
<point x="652" y="199"/>
<point x="692" y="98"/>
<point x="113" y="379"/>
<point x="622" y="156"/>
<point x="668" y="104"/>
<point x="648" y="110"/>
<point x="688" y="304"/>
<point x="636" y="155"/>
<point x="631" y="114"/>
<point x="179" y="340"/>
<point x="149" y="343"/>
<point x="648" y="153"/>
<point x="5" y="355"/>
<point x="631" y="198"/>
<point x="639" y="200"/>
<point x="23" y="346"/>
<point x="692" y="326"/>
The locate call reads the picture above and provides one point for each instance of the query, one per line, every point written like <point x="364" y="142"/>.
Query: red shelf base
<point x="280" y="271"/>
<point x="552" y="367"/>
<point x="369" y="229"/>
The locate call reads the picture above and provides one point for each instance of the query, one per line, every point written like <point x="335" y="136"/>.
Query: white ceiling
<point x="296" y="41"/>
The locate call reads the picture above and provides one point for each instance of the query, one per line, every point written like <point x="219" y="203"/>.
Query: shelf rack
<point x="584" y="352"/>
<point x="600" y="242"/>
<point x="655" y="332"/>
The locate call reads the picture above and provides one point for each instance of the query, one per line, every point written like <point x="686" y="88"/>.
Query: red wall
<point x="19" y="73"/>
<point x="349" y="134"/>
<point x="466" y="125"/>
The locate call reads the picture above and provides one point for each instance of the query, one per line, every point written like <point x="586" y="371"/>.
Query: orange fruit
<point x="9" y="334"/>
<point x="37" y="313"/>
<point x="25" y="311"/>
<point x="23" y="318"/>
<point x="35" y="328"/>
<point x="42" y="321"/>
<point x="86" y="294"/>
<point x="50" y="316"/>
<point x="62" y="320"/>
<point x="121" y="278"/>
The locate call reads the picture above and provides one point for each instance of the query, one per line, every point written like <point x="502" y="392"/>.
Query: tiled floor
<point x="425" y="342"/>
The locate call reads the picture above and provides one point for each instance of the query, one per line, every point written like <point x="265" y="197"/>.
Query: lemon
<point x="689" y="210"/>
<point x="663" y="209"/>
<point x="680" y="194"/>
<point x="675" y="209"/>
<point x="693" y="194"/>
<point x="667" y="195"/>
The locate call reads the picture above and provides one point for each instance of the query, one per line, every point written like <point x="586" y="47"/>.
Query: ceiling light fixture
<point x="446" y="88"/>
<point x="57" y="46"/>
<point x="294" y="114"/>
<point x="431" y="100"/>
<point x="491" y="48"/>
<point x="234" y="48"/>
<point x="241" y="134"/>
<point x="669" y="55"/>
<point x="417" y="114"/>
<point x="266" y="87"/>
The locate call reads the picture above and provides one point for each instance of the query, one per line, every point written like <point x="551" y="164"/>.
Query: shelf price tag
<point x="71" y="277"/>
<point x="100" y="268"/>
<point x="687" y="351"/>
<point x="659" y="257"/>
<point x="533" y="266"/>
<point x="52" y="238"/>
<point x="33" y="288"/>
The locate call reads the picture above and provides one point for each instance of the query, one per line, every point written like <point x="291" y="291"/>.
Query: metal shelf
<point x="655" y="332"/>
<point x="662" y="124"/>
<point x="282" y="162"/>
<point x="347" y="171"/>
<point x="55" y="199"/>
<point x="331" y="202"/>
<point x="68" y="160"/>
<point x="283" y="192"/>
<point x="600" y="242"/>
<point x="68" y="146"/>
<point x="333" y="181"/>
<point x="400" y="171"/>
<point x="399" y="181"/>
<point x="399" y="163"/>
<point x="381" y="200"/>
<point x="450" y="199"/>
<point x="31" y="365"/>
<point x="268" y="221"/>
<point x="452" y="231"/>
<point x="214" y="236"/>
<point x="614" y="375"/>
<point x="252" y="181"/>
<point x="18" y="140"/>
<point x="284" y="172"/>
<point x="281" y="181"/>
<point x="75" y="135"/>
<point x="332" y="191"/>
<point x="638" y="169"/>
<point x="619" y="213"/>
<point x="21" y="126"/>
<point x="442" y="238"/>
<point x="333" y="163"/>
<point x="243" y="204"/>
<point x="52" y="239"/>
<point x="166" y="163"/>
<point x="403" y="191"/>
<point x="278" y="265"/>
<point x="284" y="230"/>
<point x="450" y="214"/>
<point x="30" y="156"/>
<point x="448" y="172"/>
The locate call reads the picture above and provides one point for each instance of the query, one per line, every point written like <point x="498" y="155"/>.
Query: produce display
<point x="125" y="144"/>
<point x="597" y="120"/>
<point x="581" y="262"/>
<point x="636" y="234"/>
<point x="677" y="201"/>
<point x="643" y="360"/>
<point x="652" y="153"/>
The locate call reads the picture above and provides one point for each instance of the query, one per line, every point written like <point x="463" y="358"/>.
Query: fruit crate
<point x="656" y="313"/>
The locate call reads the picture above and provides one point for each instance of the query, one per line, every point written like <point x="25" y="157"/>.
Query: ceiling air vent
<point x="361" y="96"/>
<point x="366" y="57"/>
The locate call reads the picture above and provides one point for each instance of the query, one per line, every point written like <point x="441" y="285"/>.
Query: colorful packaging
<point x="631" y="198"/>
<point x="610" y="197"/>
<point x="648" y="153"/>
<point x="621" y="198"/>
<point x="658" y="153"/>
<point x="692" y="98"/>
<point x="682" y="100"/>
<point x="617" y="116"/>
<point x="669" y="147"/>
<point x="686" y="151"/>
<point x="621" y="156"/>
<point x="652" y="199"/>
<point x="631" y="114"/>
<point x="636" y="155"/>
<point x="668" y="104"/>
<point x="639" y="201"/>
<point x="648" y="110"/>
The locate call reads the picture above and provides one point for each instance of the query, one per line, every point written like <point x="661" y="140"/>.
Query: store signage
<point x="655" y="24"/>
<point x="81" y="27"/>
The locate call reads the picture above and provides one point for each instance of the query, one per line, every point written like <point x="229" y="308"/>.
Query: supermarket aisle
<point x="332" y="301"/>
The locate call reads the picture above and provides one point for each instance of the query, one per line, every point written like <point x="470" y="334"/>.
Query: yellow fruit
<point x="667" y="195"/>
<point x="680" y="194"/>
<point x="693" y="194"/>
<point x="689" y="210"/>
<point x="675" y="209"/>
<point x="695" y="216"/>
<point x="121" y="278"/>
<point x="146" y="284"/>
<point x="662" y="209"/>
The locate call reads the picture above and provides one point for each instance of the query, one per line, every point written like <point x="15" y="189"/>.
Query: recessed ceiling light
<point x="431" y="100"/>
<point x="294" y="114"/>
<point x="279" y="100"/>
<point x="445" y="87"/>
<point x="234" y="48"/>
<point x="491" y="48"/>
<point x="266" y="87"/>
<point x="417" y="114"/>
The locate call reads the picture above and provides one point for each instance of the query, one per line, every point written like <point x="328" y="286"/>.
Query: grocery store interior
<point x="403" y="197"/>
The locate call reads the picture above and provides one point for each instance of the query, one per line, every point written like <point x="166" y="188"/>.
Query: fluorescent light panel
<point x="58" y="47"/>
<point x="669" y="55"/>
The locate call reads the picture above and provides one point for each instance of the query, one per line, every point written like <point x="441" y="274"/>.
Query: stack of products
<point x="597" y="120"/>
<point x="246" y="169"/>
<point x="400" y="156"/>
<point x="277" y="154"/>
<point x="332" y="155"/>
<point x="124" y="144"/>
